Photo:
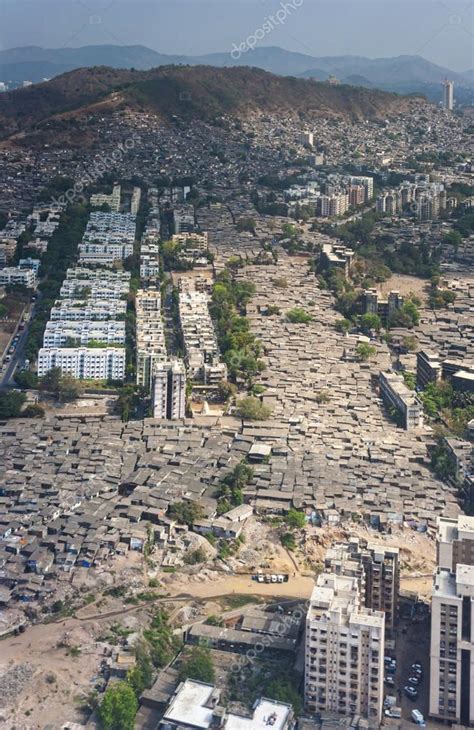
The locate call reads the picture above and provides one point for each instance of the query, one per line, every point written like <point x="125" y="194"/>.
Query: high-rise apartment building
<point x="344" y="650"/>
<point x="452" y="624"/>
<point x="367" y="182"/>
<point x="377" y="568"/>
<point x="169" y="390"/>
<point x="448" y="94"/>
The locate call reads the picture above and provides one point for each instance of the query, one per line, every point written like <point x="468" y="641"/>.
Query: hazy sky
<point x="440" y="30"/>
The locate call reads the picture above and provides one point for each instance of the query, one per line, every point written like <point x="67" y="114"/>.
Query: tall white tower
<point x="448" y="94"/>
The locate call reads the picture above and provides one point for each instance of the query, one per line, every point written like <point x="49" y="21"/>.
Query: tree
<point x="231" y="486"/>
<point x="409" y="378"/>
<point x="33" y="411"/>
<point x="198" y="665"/>
<point x="343" y="325"/>
<point x="288" y="541"/>
<point x="297" y="315"/>
<point x="185" y="512"/>
<point x="365" y="351"/>
<point x="11" y="404"/>
<point x="64" y="387"/>
<point x="453" y="238"/>
<point x="368" y="322"/>
<point x="195" y="557"/>
<point x="252" y="409"/>
<point x="26" y="379"/>
<point x="295" y="518"/>
<point x="118" y="708"/>
<point x="140" y="677"/>
<point x="161" y="643"/>
<point x="246" y="224"/>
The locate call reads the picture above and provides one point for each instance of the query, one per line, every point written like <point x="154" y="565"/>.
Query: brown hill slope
<point x="188" y="91"/>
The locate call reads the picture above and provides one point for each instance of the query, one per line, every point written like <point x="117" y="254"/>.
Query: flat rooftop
<point x="189" y="706"/>
<point x="267" y="714"/>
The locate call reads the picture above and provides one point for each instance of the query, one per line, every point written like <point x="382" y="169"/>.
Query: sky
<point x="440" y="30"/>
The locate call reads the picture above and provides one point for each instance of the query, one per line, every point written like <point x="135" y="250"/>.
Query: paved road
<point x="8" y="369"/>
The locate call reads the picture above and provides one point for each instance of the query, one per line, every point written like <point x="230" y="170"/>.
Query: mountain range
<point x="401" y="74"/>
<point x="47" y="110"/>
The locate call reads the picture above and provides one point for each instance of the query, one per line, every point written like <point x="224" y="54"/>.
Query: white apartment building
<point x="84" y="309"/>
<point x="344" y="651"/>
<point x="306" y="138"/>
<point x="150" y="337"/>
<point x="452" y="624"/>
<point x="110" y="228"/>
<point x="448" y="95"/>
<point x="149" y="261"/>
<point x="135" y="201"/>
<point x="12" y="275"/>
<point x="84" y="362"/>
<point x="96" y="289"/>
<point x="169" y="390"/>
<point x="81" y="332"/>
<point x="112" y="199"/>
<point x="105" y="254"/>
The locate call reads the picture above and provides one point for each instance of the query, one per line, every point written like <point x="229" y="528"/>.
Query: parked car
<point x="390" y="681"/>
<point x="418" y="718"/>
<point x="410" y="692"/>
<point x="414" y="680"/>
<point x="393" y="712"/>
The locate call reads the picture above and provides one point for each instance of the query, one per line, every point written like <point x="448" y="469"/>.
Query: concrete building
<point x="12" y="275"/>
<point x="448" y="95"/>
<point x="373" y="304"/>
<point x="135" y="200"/>
<point x="169" y="390"/>
<point x="337" y="257"/>
<point x="332" y="206"/>
<point x="378" y="570"/>
<point x="452" y="624"/>
<point x="82" y="309"/>
<point x="344" y="650"/>
<point x="367" y="182"/>
<point x="150" y="336"/>
<point x="101" y="363"/>
<point x="58" y="333"/>
<point x="112" y="200"/>
<point x="306" y="138"/>
<point x="197" y="705"/>
<point x="428" y="368"/>
<point x="200" y="341"/>
<point x="397" y="395"/>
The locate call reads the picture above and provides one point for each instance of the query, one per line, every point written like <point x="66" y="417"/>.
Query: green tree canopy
<point x="118" y="708"/>
<point x="198" y="665"/>
<point x="252" y="409"/>
<point x="11" y="404"/>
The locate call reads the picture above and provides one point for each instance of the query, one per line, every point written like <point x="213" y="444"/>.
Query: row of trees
<point x="239" y="347"/>
<point x="54" y="264"/>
